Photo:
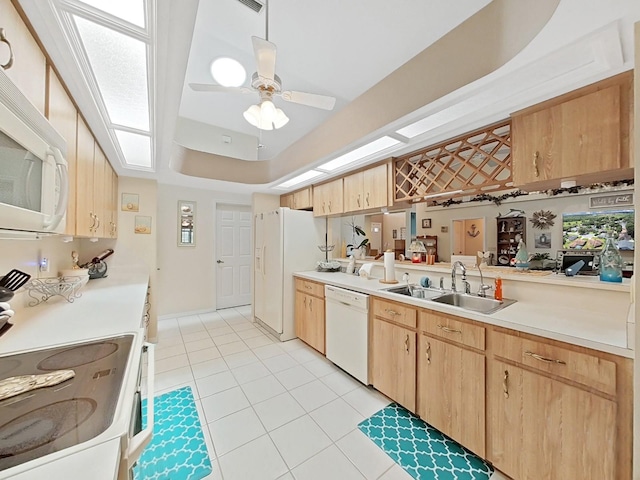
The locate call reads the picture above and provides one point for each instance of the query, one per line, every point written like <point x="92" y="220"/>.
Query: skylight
<point x="359" y="153"/>
<point x="228" y="72"/>
<point x="119" y="64"/>
<point x="131" y="11"/>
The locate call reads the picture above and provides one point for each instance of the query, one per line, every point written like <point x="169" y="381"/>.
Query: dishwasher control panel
<point x="348" y="297"/>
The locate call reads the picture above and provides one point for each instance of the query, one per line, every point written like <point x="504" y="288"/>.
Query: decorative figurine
<point x="522" y="257"/>
<point x="74" y="258"/>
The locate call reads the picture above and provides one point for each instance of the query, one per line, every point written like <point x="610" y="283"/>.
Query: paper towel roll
<point x="389" y="266"/>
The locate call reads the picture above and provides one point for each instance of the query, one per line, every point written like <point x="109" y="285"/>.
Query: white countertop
<point x="108" y="307"/>
<point x="534" y="316"/>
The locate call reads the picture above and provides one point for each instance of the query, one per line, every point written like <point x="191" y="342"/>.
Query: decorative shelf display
<point x="510" y="231"/>
<point x="42" y="289"/>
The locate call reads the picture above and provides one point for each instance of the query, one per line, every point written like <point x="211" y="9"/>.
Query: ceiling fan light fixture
<point x="268" y="111"/>
<point x="228" y="72"/>
<point x="252" y="115"/>
<point x="281" y="119"/>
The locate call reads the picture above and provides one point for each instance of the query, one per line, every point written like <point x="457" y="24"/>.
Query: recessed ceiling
<point x="333" y="47"/>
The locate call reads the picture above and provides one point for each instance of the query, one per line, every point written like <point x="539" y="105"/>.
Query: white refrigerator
<point x="286" y="241"/>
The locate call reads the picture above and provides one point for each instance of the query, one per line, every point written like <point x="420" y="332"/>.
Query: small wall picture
<point x="542" y="239"/>
<point x="444" y="229"/>
<point x="130" y="202"/>
<point x="426" y="223"/>
<point x="395" y="233"/>
<point x="142" y="224"/>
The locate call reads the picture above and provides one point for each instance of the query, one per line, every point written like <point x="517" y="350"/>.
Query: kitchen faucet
<point x="482" y="290"/>
<point x="467" y="287"/>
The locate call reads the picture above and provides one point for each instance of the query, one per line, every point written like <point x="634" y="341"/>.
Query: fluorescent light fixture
<point x="442" y="194"/>
<point x="228" y="72"/>
<point x="359" y="153"/>
<point x="131" y="11"/>
<point x="136" y="148"/>
<point x="119" y="65"/>
<point x="299" y="179"/>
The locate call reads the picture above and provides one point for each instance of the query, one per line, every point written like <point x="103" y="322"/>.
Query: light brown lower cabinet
<point x="451" y="393"/>
<point x="533" y="407"/>
<point x="309" y="314"/>
<point x="557" y="411"/>
<point x="393" y="357"/>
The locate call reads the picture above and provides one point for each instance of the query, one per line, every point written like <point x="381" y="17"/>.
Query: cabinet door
<point x="85" y="220"/>
<point x="590" y="133"/>
<point x="300" y="318"/>
<point x="375" y="187"/>
<point x="63" y="116"/>
<point x="542" y="428"/>
<point x="29" y="68"/>
<point x="353" y="188"/>
<point x="302" y="199"/>
<point x="532" y="151"/>
<point x="110" y="202"/>
<point x="101" y="228"/>
<point x="287" y="201"/>
<point x="335" y="197"/>
<point x="114" y="202"/>
<point x="394" y="362"/>
<point x="320" y="200"/>
<point x="316" y="323"/>
<point x="451" y="396"/>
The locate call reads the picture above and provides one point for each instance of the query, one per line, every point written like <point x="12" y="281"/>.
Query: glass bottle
<point x="610" y="261"/>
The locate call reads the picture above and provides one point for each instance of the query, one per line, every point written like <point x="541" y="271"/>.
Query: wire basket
<point x="328" y="266"/>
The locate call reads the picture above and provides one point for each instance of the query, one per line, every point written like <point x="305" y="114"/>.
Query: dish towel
<point x="365" y="270"/>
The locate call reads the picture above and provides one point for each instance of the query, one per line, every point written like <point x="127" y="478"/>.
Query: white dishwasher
<point x="347" y="331"/>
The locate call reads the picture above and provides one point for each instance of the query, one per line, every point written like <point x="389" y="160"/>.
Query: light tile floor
<point x="270" y="410"/>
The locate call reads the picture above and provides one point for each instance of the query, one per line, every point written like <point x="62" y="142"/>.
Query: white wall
<point x="187" y="275"/>
<point x="444" y="216"/>
<point x="24" y="255"/>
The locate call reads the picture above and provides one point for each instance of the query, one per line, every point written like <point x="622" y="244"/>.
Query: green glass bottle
<point x="610" y="261"/>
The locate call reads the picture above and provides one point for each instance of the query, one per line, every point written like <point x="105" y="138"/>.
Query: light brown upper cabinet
<point x="366" y="189"/>
<point x="110" y="213"/>
<point x="327" y="198"/>
<point x="85" y="214"/>
<point x="29" y="67"/>
<point x="583" y="135"/>
<point x="299" y="200"/>
<point x="63" y="116"/>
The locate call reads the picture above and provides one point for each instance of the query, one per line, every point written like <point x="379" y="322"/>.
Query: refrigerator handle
<point x="264" y="249"/>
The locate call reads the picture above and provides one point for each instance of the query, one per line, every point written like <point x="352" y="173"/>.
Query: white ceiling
<point x="340" y="49"/>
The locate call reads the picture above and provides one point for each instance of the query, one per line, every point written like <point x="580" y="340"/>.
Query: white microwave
<point x="34" y="185"/>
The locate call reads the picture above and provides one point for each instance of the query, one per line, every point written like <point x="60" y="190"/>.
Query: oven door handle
<point x="141" y="439"/>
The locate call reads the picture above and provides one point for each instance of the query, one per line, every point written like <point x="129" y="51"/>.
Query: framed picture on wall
<point x="426" y="223"/>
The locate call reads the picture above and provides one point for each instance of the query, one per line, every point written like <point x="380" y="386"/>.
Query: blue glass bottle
<point x="610" y="261"/>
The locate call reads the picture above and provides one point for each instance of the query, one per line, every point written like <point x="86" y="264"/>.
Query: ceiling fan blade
<point x="310" y="99"/>
<point x="211" y="87"/>
<point x="265" y="53"/>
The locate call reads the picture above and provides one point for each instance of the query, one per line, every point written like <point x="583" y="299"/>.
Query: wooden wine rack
<point x="477" y="162"/>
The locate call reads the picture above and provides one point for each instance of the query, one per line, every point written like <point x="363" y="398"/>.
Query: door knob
<point x="219" y="261"/>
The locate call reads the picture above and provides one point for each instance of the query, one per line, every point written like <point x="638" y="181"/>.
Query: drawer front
<point x="583" y="368"/>
<point x="310" y="288"/>
<point x="395" y="312"/>
<point x="457" y="331"/>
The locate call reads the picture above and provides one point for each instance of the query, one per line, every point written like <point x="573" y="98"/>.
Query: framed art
<point x="426" y="223"/>
<point x="130" y="202"/>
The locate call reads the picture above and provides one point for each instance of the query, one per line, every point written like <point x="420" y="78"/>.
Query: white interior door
<point x="233" y="255"/>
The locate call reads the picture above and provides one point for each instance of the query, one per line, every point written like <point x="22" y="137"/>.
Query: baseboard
<point x="184" y="314"/>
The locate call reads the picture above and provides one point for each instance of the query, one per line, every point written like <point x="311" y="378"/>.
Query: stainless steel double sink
<point x="464" y="301"/>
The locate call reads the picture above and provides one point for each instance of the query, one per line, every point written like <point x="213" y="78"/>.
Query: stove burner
<point x="43" y="425"/>
<point x="77" y="356"/>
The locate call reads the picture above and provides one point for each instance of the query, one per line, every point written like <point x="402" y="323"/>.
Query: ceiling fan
<point x="265" y="115"/>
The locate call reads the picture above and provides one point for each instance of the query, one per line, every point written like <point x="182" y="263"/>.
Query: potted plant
<point x="354" y="248"/>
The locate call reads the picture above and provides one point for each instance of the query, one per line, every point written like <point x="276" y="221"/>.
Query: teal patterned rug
<point x="422" y="451"/>
<point x="177" y="450"/>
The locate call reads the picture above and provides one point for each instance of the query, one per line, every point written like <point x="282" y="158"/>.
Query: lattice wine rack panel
<point x="470" y="164"/>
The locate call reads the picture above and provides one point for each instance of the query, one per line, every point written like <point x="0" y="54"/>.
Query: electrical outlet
<point x="44" y="264"/>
